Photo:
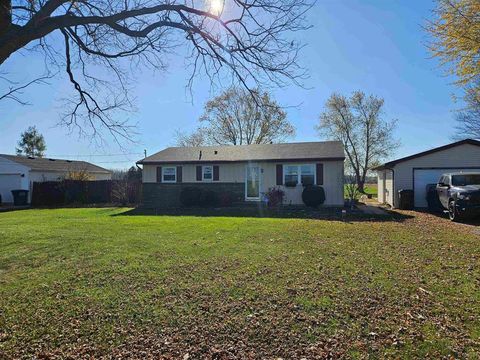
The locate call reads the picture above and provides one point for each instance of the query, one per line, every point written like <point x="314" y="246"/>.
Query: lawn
<point x="371" y="189"/>
<point x="95" y="283"/>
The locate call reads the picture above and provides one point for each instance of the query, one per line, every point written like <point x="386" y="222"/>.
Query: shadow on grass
<point x="262" y="212"/>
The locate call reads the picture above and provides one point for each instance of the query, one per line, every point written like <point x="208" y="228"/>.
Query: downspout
<point x="393" y="188"/>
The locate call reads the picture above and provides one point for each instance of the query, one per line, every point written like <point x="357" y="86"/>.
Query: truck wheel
<point x="452" y="211"/>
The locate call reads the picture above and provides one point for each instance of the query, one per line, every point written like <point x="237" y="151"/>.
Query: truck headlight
<point x="463" y="197"/>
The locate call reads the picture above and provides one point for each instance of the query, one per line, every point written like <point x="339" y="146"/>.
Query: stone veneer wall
<point x="160" y="195"/>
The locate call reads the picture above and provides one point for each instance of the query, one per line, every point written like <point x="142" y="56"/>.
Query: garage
<point x="416" y="171"/>
<point x="9" y="182"/>
<point x="424" y="177"/>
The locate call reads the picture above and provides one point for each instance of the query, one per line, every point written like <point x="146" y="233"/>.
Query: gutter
<point x="161" y="162"/>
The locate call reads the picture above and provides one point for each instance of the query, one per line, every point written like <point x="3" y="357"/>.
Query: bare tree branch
<point x="358" y="123"/>
<point x="15" y="90"/>
<point x="249" y="42"/>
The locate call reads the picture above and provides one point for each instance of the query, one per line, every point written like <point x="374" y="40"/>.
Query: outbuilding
<point x="20" y="172"/>
<point x="418" y="171"/>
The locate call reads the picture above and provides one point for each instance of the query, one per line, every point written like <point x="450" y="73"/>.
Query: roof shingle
<point x="46" y="164"/>
<point x="327" y="150"/>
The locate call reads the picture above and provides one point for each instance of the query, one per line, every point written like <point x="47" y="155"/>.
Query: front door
<point x="252" y="183"/>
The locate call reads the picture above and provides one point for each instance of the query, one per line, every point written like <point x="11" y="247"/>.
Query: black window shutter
<point x="319" y="174"/>
<point x="179" y="174"/>
<point x="159" y="174"/>
<point x="199" y="173"/>
<point x="216" y="173"/>
<point x="279" y="174"/>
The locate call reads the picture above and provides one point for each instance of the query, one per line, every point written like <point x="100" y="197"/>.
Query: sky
<point x="377" y="46"/>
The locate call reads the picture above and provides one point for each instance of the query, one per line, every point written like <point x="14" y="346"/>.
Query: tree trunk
<point x="361" y="186"/>
<point x="5" y="15"/>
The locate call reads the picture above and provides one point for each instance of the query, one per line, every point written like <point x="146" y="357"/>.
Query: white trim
<point x="163" y="174"/>
<point x="299" y="173"/>
<point x="259" y="182"/>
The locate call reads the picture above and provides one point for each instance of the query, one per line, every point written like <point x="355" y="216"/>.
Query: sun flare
<point x="216" y="6"/>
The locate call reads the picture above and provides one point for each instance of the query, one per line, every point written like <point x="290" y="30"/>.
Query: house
<point x="246" y="172"/>
<point x="416" y="171"/>
<point x="19" y="172"/>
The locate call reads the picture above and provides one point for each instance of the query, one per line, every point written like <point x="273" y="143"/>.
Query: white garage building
<point x="19" y="172"/>
<point x="415" y="172"/>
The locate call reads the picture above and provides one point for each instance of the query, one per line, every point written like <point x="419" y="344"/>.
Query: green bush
<point x="191" y="196"/>
<point x="194" y="196"/>
<point x="313" y="195"/>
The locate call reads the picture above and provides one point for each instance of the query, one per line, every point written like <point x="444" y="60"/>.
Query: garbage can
<point x="20" y="197"/>
<point x="406" y="199"/>
<point x="433" y="202"/>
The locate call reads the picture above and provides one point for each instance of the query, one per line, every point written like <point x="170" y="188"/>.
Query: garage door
<point x="423" y="177"/>
<point x="9" y="182"/>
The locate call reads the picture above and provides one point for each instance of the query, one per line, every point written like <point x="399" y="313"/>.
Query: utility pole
<point x="145" y="152"/>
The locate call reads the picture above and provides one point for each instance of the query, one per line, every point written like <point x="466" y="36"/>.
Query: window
<point x="207" y="173"/>
<point x="169" y="174"/>
<point x="299" y="174"/>
<point x="291" y="175"/>
<point x="307" y="175"/>
<point x="464" y="180"/>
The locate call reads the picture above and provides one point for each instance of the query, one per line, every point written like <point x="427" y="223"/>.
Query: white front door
<point x="252" y="182"/>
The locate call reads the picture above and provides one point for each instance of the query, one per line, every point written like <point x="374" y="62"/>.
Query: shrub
<point x="275" y="197"/>
<point x="194" y="196"/>
<point x="191" y="196"/>
<point x="208" y="198"/>
<point x="225" y="199"/>
<point x="313" y="195"/>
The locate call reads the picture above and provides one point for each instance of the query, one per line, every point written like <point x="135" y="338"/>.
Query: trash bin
<point x="433" y="202"/>
<point x="406" y="199"/>
<point x="20" y="197"/>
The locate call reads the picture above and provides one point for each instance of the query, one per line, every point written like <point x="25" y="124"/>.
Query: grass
<point x="371" y="189"/>
<point x="93" y="283"/>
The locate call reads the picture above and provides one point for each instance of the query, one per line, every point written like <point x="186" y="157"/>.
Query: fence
<point x="54" y="193"/>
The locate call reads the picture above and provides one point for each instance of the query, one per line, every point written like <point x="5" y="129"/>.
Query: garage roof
<point x="327" y="150"/>
<point x="392" y="163"/>
<point x="47" y="164"/>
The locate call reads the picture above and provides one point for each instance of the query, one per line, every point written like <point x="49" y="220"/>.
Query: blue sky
<point x="374" y="46"/>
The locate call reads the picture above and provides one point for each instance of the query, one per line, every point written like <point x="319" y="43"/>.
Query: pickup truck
<point x="459" y="194"/>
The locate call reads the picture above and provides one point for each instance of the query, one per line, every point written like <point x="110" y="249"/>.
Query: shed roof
<point x="326" y="150"/>
<point x="48" y="164"/>
<point x="390" y="164"/>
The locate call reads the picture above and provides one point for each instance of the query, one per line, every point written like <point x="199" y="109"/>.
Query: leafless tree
<point x="468" y="118"/>
<point x="240" y="117"/>
<point x="359" y="124"/>
<point x="247" y="42"/>
<point x="196" y="138"/>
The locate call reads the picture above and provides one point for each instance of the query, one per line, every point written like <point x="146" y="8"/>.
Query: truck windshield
<point x="467" y="179"/>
